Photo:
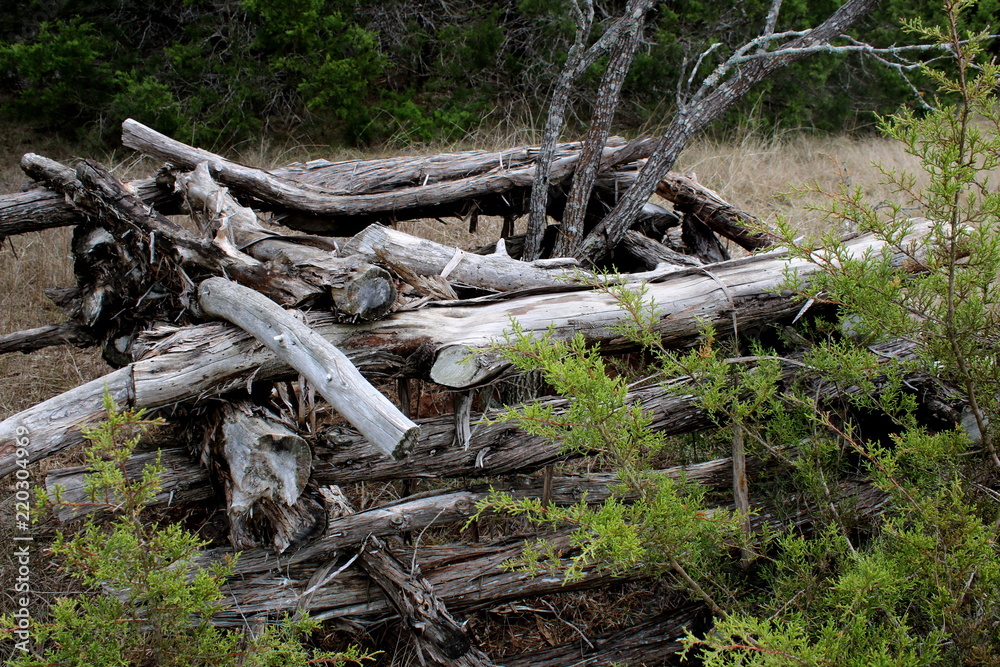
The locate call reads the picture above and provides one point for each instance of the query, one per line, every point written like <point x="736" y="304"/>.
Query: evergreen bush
<point x="915" y="585"/>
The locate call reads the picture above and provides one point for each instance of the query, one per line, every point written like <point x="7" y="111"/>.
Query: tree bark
<point x="35" y="210"/>
<point x="322" y="364"/>
<point x="608" y="93"/>
<point x="651" y="642"/>
<point x="440" y="639"/>
<point x="689" y="196"/>
<point x="698" y="114"/>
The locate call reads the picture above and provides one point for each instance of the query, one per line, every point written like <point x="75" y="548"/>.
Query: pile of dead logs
<point x="242" y="332"/>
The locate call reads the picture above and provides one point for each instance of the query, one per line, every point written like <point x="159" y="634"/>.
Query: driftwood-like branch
<point x="29" y="340"/>
<point x="342" y="198"/>
<point x="356" y="288"/>
<point x="497" y="272"/>
<point x="653" y="253"/>
<point x="319" y="361"/>
<point x="440" y="639"/>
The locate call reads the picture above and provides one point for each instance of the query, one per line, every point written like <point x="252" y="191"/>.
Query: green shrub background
<point x="219" y="71"/>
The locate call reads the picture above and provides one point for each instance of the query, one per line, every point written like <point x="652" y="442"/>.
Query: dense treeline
<point x="215" y="71"/>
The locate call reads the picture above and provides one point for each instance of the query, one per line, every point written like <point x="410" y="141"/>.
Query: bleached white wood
<point x="326" y="367"/>
<point x="498" y="272"/>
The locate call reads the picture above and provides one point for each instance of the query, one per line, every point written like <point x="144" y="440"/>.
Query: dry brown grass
<point x="760" y="175"/>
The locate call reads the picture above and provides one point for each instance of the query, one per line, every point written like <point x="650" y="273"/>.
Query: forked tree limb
<point x="694" y="115"/>
<point x="322" y="364"/>
<point x="622" y="53"/>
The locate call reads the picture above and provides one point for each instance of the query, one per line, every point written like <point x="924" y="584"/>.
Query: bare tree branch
<point x="608" y="96"/>
<point x="708" y="104"/>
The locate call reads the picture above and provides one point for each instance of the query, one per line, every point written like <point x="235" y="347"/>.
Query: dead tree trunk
<point x="703" y="108"/>
<point x="267" y="468"/>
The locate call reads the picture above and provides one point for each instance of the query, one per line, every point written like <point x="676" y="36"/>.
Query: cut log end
<point x="371" y="295"/>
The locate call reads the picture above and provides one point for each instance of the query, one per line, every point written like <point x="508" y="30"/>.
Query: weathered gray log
<point x="52" y="425"/>
<point x="29" y="340"/>
<point x="342" y="198"/>
<point x="44" y="207"/>
<point x="209" y="360"/>
<point x="653" y="253"/>
<point x="265" y="460"/>
<point x="742" y="291"/>
<point x="440" y="639"/>
<point x="35" y="210"/>
<point x="653" y="641"/>
<point x="322" y="364"/>
<point x="689" y="196"/>
<point x="498" y="272"/>
<point x="417" y="513"/>
<point x="464" y="577"/>
<point x="356" y="287"/>
<point x="183" y="482"/>
<point x="294" y="195"/>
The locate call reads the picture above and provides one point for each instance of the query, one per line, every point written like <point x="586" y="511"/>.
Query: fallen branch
<point x="320" y="362"/>
<point x="29" y="340"/>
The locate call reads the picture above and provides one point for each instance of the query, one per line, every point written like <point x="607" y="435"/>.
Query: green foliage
<point x="918" y="588"/>
<point x="913" y="583"/>
<point x="149" y="601"/>
<point x="598" y="420"/>
<point x="214" y="71"/>
<point x="64" y="72"/>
